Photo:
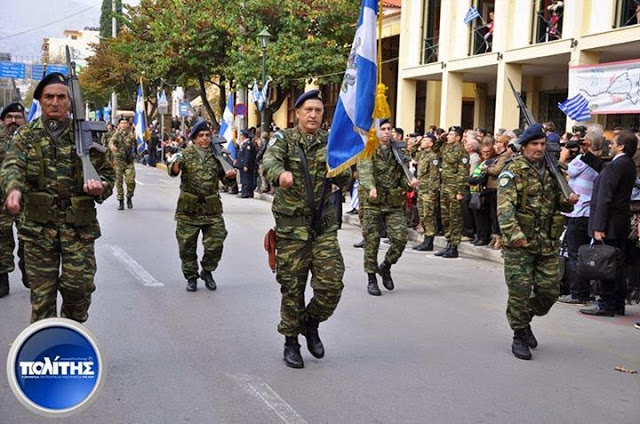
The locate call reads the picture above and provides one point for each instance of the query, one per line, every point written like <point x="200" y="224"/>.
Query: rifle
<point x="550" y="161"/>
<point x="83" y="130"/>
<point x="400" y="159"/>
<point x="216" y="144"/>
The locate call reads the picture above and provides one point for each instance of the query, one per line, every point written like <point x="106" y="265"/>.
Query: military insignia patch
<point x="435" y="162"/>
<point x="504" y="178"/>
<point x="277" y="136"/>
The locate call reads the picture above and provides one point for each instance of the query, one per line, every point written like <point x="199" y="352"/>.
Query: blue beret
<point x="309" y="95"/>
<point x="200" y="126"/>
<point x="553" y="138"/>
<point x="534" y="132"/>
<point x="52" y="78"/>
<point x="13" y="107"/>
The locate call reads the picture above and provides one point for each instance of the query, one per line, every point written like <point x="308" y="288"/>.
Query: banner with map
<point x="609" y="87"/>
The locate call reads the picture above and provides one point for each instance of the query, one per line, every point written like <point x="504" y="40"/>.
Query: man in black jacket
<point x="246" y="163"/>
<point x="610" y="215"/>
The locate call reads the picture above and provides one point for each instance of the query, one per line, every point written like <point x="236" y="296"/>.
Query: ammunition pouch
<point x="527" y="224"/>
<point x="82" y="211"/>
<point x="192" y="204"/>
<point x="38" y="207"/>
<point x="557" y="226"/>
<point x="396" y="197"/>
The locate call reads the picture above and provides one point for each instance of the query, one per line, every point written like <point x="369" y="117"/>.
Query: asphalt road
<point x="435" y="350"/>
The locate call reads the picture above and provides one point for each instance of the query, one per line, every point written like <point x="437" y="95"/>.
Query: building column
<point x="432" y="104"/>
<point x="451" y="100"/>
<point x="480" y="106"/>
<point x="507" y="112"/>
<point x="533" y="96"/>
<point x="579" y="57"/>
<point x="406" y="105"/>
<point x="252" y="113"/>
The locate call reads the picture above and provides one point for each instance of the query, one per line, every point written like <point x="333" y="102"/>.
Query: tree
<point x="106" y="15"/>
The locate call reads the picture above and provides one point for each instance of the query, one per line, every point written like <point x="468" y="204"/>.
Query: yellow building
<point x="453" y="73"/>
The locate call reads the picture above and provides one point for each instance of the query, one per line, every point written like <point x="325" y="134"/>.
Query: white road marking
<point x="256" y="387"/>
<point x="134" y="267"/>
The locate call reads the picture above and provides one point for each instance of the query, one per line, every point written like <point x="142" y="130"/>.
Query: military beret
<point x="457" y="130"/>
<point x="52" y="78"/>
<point x="200" y="126"/>
<point x="245" y="133"/>
<point x="122" y="118"/>
<point x="13" y="107"/>
<point x="309" y="95"/>
<point x="553" y="138"/>
<point x="385" y="121"/>
<point x="534" y="132"/>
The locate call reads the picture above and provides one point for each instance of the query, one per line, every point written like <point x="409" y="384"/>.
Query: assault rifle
<point x="550" y="161"/>
<point x="222" y="155"/>
<point x="83" y="130"/>
<point x="400" y="159"/>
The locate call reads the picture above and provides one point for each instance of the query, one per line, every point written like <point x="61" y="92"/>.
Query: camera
<point x="579" y="130"/>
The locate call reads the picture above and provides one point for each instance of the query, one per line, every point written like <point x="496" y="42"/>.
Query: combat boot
<point x="385" y="272"/>
<point x="426" y="246"/>
<point x="530" y="338"/>
<point x="209" y="282"/>
<point x="359" y="245"/>
<point x="192" y="284"/>
<point x="120" y="205"/>
<point x="519" y="347"/>
<point x="372" y="287"/>
<point x="419" y="246"/>
<point x="314" y="344"/>
<point x="292" y="356"/>
<point x="443" y="251"/>
<point x="451" y="253"/>
<point x="129" y="203"/>
<point x="4" y="284"/>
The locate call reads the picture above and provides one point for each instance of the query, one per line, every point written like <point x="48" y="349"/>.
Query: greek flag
<point x="140" y="123"/>
<point x="576" y="108"/>
<point x="226" y="127"/>
<point x="471" y="15"/>
<point x="35" y="111"/>
<point x="352" y="119"/>
<point x="260" y="96"/>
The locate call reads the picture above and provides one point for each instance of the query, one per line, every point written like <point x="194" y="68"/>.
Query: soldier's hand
<point x="286" y="179"/>
<point x="459" y="196"/>
<point x="13" y="201"/>
<point x="373" y="194"/>
<point x="520" y="243"/>
<point x="573" y="198"/>
<point x="414" y="183"/>
<point x="231" y="174"/>
<point x="94" y="187"/>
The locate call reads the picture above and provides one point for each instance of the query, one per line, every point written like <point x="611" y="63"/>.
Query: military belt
<point x="62" y="203"/>
<point x="292" y="221"/>
<point x="450" y="179"/>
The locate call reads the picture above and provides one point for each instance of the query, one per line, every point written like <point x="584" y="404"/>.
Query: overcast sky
<point x="26" y="23"/>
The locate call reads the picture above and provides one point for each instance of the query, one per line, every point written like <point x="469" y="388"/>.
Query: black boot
<point x="385" y="271"/>
<point x="451" y="253"/>
<point x="421" y="245"/>
<point x="192" y="284"/>
<point x="314" y="344"/>
<point x="209" y="282"/>
<point x="426" y="246"/>
<point x="372" y="287"/>
<point x="519" y="347"/>
<point x="120" y="205"/>
<point x="359" y="244"/>
<point x="129" y="203"/>
<point x="530" y="338"/>
<point x="443" y="251"/>
<point x="4" y="284"/>
<point x="292" y="356"/>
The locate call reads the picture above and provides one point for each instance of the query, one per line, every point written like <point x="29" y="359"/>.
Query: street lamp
<point x="264" y="37"/>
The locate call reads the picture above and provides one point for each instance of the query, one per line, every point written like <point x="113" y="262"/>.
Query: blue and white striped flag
<point x="576" y="108"/>
<point x="140" y="122"/>
<point x="352" y="119"/>
<point x="226" y="127"/>
<point x="35" y="111"/>
<point x="471" y="15"/>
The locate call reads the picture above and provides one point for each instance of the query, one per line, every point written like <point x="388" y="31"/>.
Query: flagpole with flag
<point x="362" y="98"/>
<point x="576" y="108"/>
<point x="226" y="127"/>
<point x="140" y="121"/>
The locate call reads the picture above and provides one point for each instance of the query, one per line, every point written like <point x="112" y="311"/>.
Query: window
<point x="481" y="28"/>
<point x="431" y="31"/>
<point x="627" y="13"/>
<point x="547" y="25"/>
<point x="549" y="110"/>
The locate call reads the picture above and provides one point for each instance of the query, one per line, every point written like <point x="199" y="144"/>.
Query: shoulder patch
<point x="504" y="178"/>
<point x="276" y="136"/>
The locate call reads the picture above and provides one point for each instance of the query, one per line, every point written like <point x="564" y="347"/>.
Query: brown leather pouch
<point x="270" y="247"/>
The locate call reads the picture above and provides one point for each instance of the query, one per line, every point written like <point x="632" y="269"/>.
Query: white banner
<point x="609" y="87"/>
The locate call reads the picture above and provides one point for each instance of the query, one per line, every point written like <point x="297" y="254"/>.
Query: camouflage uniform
<point x="528" y="208"/>
<point x="299" y="249"/>
<point x="199" y="209"/>
<point x="123" y="162"/>
<point x="7" y="243"/>
<point x="454" y="171"/>
<point x="59" y="225"/>
<point x="383" y="173"/>
<point x="429" y="183"/>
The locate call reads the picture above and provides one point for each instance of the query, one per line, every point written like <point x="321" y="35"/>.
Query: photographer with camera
<point x="584" y="164"/>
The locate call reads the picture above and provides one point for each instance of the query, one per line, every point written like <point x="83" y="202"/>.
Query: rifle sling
<point x="316" y="215"/>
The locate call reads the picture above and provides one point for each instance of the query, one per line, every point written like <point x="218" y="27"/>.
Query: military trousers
<point x="396" y="225"/>
<point x="451" y="211"/>
<point x="7" y="242"/>
<point x="213" y="236"/>
<point x="59" y="258"/>
<point x="533" y="284"/>
<point x="295" y="258"/>
<point x="125" y="174"/>
<point x="427" y="209"/>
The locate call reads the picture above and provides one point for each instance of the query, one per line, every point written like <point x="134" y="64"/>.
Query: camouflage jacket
<point x="382" y="172"/>
<point x="290" y="206"/>
<point x="5" y="138"/>
<point x="126" y="146"/>
<point x="528" y="206"/>
<point x="50" y="174"/>
<point x="454" y="167"/>
<point x="199" y="202"/>
<point x="428" y="169"/>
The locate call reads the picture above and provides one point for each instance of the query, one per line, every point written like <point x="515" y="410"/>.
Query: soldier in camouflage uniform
<point x="122" y="146"/>
<point x="42" y="174"/>
<point x="529" y="206"/>
<point x="199" y="207"/>
<point x="454" y="173"/>
<point x="12" y="117"/>
<point x="384" y="187"/>
<point x="306" y="240"/>
<point x="429" y="184"/>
